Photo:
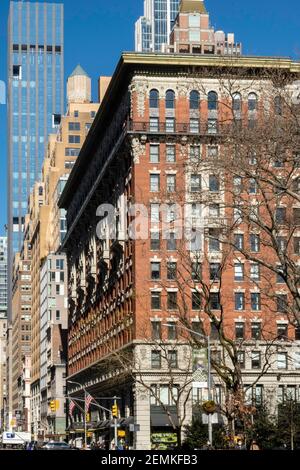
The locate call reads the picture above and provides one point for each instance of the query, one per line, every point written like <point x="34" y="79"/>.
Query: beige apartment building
<point x="47" y="229"/>
<point x="3" y="326"/>
<point x="21" y="330"/>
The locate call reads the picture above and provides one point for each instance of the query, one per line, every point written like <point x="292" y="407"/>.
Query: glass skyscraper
<point x="35" y="100"/>
<point x="153" y="29"/>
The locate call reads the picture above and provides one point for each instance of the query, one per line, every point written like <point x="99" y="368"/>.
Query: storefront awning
<point x="162" y="420"/>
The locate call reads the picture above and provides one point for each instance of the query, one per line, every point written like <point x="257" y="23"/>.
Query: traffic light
<point x="114" y="410"/>
<point x="53" y="406"/>
<point x="88" y="417"/>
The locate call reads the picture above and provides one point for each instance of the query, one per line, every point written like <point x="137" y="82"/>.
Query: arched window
<point x="194" y="100"/>
<point x="154" y="99"/>
<point x="170" y="99"/>
<point x="252" y="102"/>
<point x="40" y="190"/>
<point x="278" y="105"/>
<point x="212" y="101"/>
<point x="237" y="102"/>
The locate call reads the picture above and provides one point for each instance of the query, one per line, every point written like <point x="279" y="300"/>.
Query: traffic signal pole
<point x="116" y="426"/>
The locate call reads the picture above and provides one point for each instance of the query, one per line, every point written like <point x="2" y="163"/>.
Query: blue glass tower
<point x="35" y="100"/>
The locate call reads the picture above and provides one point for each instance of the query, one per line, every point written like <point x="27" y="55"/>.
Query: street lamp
<point x="84" y="409"/>
<point x="209" y="377"/>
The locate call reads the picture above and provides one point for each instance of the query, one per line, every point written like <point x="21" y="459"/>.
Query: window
<point x="237" y="184"/>
<point x="154" y="183"/>
<point x="241" y="359"/>
<point x="76" y="113"/>
<point x="236" y="102"/>
<point x="172" y="331"/>
<point x="69" y="165"/>
<point x="155" y="270"/>
<point x="213" y="241"/>
<point x="256" y="331"/>
<point x="171" y="270"/>
<point x="74" y="126"/>
<point x="155" y="300"/>
<point x="154" y="241"/>
<point x="155" y="359"/>
<point x="88" y="125"/>
<point x="214" y="271"/>
<point x="278" y="105"/>
<point x="214" y="332"/>
<point x="282" y="361"/>
<point x="279" y="276"/>
<point x="93" y="114"/>
<point x="252" y="186"/>
<point x="282" y="331"/>
<point x="196" y="271"/>
<point x="281" y="301"/>
<point x="195" y="153"/>
<point x="255" y="301"/>
<point x="154" y="124"/>
<point x="214" y="301"/>
<point x="170" y="124"/>
<point x="171" y="183"/>
<point x="170" y="153"/>
<point x="170" y="99"/>
<point x="254" y="243"/>
<point x="212" y="151"/>
<point x="56" y="120"/>
<point x="74" y="139"/>
<point x="57" y="315"/>
<point x="282" y="244"/>
<point x="172" y="300"/>
<point x="212" y="101"/>
<point x="194" y="126"/>
<point x="214" y="210"/>
<point x="296" y="216"/>
<point x="196" y="300"/>
<point x="172" y="359"/>
<point x="156" y="330"/>
<point x="255" y="360"/>
<point x="239" y="241"/>
<point x="238" y="272"/>
<point x="212" y="126"/>
<point x="214" y="183"/>
<point x="154" y="99"/>
<point x="239" y="330"/>
<point x="297" y="333"/>
<point x="297" y="360"/>
<point x="59" y="264"/>
<point x="154" y="212"/>
<point x="280" y="215"/>
<point x="195" y="183"/>
<point x="171" y="242"/>
<point x="194" y="100"/>
<point x="17" y="72"/>
<point x="255" y="272"/>
<point x="239" y="301"/>
<point x="72" y="152"/>
<point x="154" y="153"/>
<point x="252" y="102"/>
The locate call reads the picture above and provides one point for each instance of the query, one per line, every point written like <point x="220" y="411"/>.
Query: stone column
<point x="142" y="438"/>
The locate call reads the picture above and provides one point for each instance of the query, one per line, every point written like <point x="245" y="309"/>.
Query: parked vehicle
<point x="15" y="439"/>
<point x="55" y="445"/>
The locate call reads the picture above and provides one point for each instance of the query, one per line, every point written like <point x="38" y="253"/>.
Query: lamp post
<point x="209" y="378"/>
<point x="84" y="409"/>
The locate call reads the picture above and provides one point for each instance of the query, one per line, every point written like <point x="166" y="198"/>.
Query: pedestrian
<point x="254" y="446"/>
<point x="240" y="445"/>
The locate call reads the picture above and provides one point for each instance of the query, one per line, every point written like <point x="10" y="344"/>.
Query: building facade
<point x="53" y="346"/>
<point x="192" y="33"/>
<point x="35" y="103"/>
<point x="3" y="326"/>
<point x="153" y="29"/>
<point x="46" y="226"/>
<point x="125" y="292"/>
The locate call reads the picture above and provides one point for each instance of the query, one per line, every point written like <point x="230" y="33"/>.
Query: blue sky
<point x="97" y="31"/>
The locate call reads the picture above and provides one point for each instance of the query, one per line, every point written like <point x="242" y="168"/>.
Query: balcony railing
<point x="178" y="128"/>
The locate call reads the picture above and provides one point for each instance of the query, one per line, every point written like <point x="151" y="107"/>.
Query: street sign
<point x="113" y="425"/>
<point x="134" y="427"/>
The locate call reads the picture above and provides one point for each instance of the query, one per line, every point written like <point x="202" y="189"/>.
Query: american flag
<point x="72" y="405"/>
<point x="88" y="401"/>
